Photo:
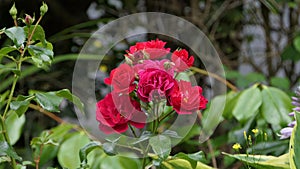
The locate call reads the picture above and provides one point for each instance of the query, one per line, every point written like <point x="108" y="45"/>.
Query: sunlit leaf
<point x="17" y="35"/>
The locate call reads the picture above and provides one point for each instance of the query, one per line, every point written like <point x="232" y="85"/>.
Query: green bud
<point x="43" y="9"/>
<point x="13" y="12"/>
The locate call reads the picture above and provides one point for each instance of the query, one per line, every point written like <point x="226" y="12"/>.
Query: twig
<point x="204" y="72"/>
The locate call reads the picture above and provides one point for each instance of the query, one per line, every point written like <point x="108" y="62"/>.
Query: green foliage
<point x="68" y="153"/>
<point x="262" y="161"/>
<point x="294" y="144"/>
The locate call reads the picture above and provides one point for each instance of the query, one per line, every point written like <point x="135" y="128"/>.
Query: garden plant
<point x="157" y="112"/>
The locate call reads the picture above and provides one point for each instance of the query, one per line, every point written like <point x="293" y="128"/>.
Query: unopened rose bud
<point x="28" y="20"/>
<point x="168" y="65"/>
<point x="13" y="12"/>
<point x="43" y="9"/>
<point x="128" y="61"/>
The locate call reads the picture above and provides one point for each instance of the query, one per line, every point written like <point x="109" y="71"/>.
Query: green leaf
<point x="161" y="145"/>
<point x="49" y="101"/>
<point x="83" y="153"/>
<point x="294" y="144"/>
<point x="263" y="161"/>
<point x="212" y="116"/>
<point x="41" y="56"/>
<point x="39" y="33"/>
<point x="20" y="105"/>
<point x="65" y="93"/>
<point x="248" y="103"/>
<point x="192" y="158"/>
<point x="178" y="163"/>
<point x="109" y="148"/>
<point x="275" y="107"/>
<point x="17" y="35"/>
<point x="296" y="43"/>
<point x="7" y="150"/>
<point x="280" y="82"/>
<point x="68" y="152"/>
<point x="231" y="100"/>
<point x="5" y="50"/>
<point x="290" y="53"/>
<point x="14" y="126"/>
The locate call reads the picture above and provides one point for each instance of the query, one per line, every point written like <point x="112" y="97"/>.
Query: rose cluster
<point x="147" y="78"/>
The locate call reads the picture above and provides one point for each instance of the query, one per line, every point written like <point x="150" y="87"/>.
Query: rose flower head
<point x="182" y="60"/>
<point x="153" y="49"/>
<point x="122" y="79"/>
<point x="115" y="112"/>
<point x="187" y="99"/>
<point x="154" y="84"/>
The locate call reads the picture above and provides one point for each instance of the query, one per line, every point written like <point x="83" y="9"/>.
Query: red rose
<point x="114" y="112"/>
<point x="164" y="65"/>
<point x="187" y="99"/>
<point x="154" y="84"/>
<point x="182" y="60"/>
<point x="153" y="49"/>
<point x="122" y="79"/>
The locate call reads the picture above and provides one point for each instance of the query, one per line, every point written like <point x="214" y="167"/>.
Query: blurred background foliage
<point x="257" y="40"/>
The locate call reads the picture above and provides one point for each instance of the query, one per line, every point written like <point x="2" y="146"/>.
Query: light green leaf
<point x="5" y="50"/>
<point x="14" y="126"/>
<point x="68" y="153"/>
<point x="17" y="35"/>
<point x="294" y="144"/>
<point x="65" y="93"/>
<point x="49" y="101"/>
<point x="193" y="159"/>
<point x="84" y="151"/>
<point x="161" y="145"/>
<point x="263" y="161"/>
<point x="248" y="103"/>
<point x="275" y="107"/>
<point x="178" y="163"/>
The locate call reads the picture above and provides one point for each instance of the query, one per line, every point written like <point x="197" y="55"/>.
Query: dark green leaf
<point x="20" y="105"/>
<point x="296" y="43"/>
<point x="161" y="145"/>
<point x="65" y="93"/>
<point x="17" y="35"/>
<point x="280" y="82"/>
<point x="248" y="103"/>
<point x="275" y="107"/>
<point x="83" y="153"/>
<point x="48" y="101"/>
<point x="39" y="33"/>
<point x="294" y="144"/>
<point x="41" y="56"/>
<point x="290" y="53"/>
<point x="7" y="150"/>
<point x="109" y="148"/>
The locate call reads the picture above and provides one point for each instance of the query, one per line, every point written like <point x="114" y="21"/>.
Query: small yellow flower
<point x="245" y="135"/>
<point x="255" y="131"/>
<point x="237" y="146"/>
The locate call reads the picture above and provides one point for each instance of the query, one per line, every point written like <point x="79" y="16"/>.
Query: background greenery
<point x="258" y="42"/>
